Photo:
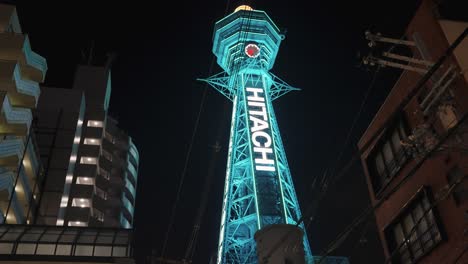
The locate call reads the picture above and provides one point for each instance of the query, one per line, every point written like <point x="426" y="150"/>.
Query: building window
<point x="415" y="232"/>
<point x="85" y="180"/>
<point x="81" y="202"/>
<point x="92" y="141"/>
<point x="88" y="160"/>
<point x="69" y="179"/>
<point x="95" y="123"/>
<point x="77" y="223"/>
<point x="109" y="137"/>
<point x="64" y="201"/>
<point x="388" y="156"/>
<point x="98" y="215"/>
<point x="106" y="155"/>
<point x="100" y="193"/>
<point x="104" y="174"/>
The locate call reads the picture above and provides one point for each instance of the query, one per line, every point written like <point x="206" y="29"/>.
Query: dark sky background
<point x="163" y="46"/>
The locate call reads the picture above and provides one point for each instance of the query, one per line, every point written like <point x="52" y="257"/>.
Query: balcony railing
<point x="127" y="204"/>
<point x="11" y="147"/>
<point x="130" y="187"/>
<point x="132" y="170"/>
<point x="34" y="59"/>
<point x="16" y="115"/>
<point x="134" y="151"/>
<point x="7" y="180"/>
<point x="25" y="86"/>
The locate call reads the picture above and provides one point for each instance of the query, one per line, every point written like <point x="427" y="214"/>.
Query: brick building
<point x="414" y="152"/>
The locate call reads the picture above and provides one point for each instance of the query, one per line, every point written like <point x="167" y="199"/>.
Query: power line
<point x="442" y="194"/>
<point x="363" y="216"/>
<point x="193" y="241"/>
<point x="401" y="106"/>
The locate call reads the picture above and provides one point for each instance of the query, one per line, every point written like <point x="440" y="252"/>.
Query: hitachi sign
<point x="260" y="129"/>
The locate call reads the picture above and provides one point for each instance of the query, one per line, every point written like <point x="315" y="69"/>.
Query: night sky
<point x="163" y="46"/>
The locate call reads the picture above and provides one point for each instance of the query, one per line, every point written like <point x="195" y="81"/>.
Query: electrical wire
<point x="401" y="106"/>
<point x="189" y="151"/>
<point x="441" y="195"/>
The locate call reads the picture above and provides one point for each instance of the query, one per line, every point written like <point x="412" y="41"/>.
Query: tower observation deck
<point x="258" y="190"/>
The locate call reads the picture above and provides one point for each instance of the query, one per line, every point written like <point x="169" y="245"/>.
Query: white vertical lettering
<point x="255" y="91"/>
<point x="264" y="152"/>
<point x="258" y="124"/>
<point x="264" y="168"/>
<point x="263" y="134"/>
<point x="261" y="139"/>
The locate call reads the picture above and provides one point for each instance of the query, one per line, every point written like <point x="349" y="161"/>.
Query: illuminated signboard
<point x="260" y="130"/>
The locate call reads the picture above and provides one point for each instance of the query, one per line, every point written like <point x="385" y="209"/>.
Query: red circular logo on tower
<point x="252" y="50"/>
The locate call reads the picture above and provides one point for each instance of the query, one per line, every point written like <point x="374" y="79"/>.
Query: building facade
<point x="21" y="71"/>
<point x="414" y="152"/>
<point x="92" y="165"/>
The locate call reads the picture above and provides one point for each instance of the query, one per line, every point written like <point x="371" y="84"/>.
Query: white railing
<point x="26" y="86"/>
<point x="16" y="115"/>
<point x="32" y="58"/>
<point x="134" y="151"/>
<point x="132" y="170"/>
<point x="6" y="181"/>
<point x="127" y="204"/>
<point x="11" y="147"/>
<point x="130" y="187"/>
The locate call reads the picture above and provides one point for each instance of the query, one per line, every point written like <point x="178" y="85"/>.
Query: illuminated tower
<point x="259" y="189"/>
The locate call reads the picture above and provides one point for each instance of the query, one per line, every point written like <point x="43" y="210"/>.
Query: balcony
<point x="133" y="150"/>
<point x="11" y="151"/>
<point x="16" y="47"/>
<point x="129" y="186"/>
<point x="128" y="205"/>
<point x="7" y="180"/>
<point x="35" y="60"/>
<point x="14" y="120"/>
<point x="132" y="171"/>
<point x="21" y="92"/>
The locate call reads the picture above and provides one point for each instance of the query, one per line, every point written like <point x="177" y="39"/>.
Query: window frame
<point x="380" y="182"/>
<point x="398" y="219"/>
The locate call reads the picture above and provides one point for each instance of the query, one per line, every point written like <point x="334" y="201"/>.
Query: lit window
<point x="60" y="222"/>
<point x="415" y="231"/>
<point x="95" y="123"/>
<point x="85" y="180"/>
<point x="77" y="223"/>
<point x="80" y="122"/>
<point x="69" y="178"/>
<point x="76" y="140"/>
<point x="88" y="160"/>
<point x="64" y="201"/>
<point x="92" y="141"/>
<point x="81" y="202"/>
<point x="72" y="158"/>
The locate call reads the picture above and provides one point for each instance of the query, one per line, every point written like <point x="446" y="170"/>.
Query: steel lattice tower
<point x="259" y="189"/>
